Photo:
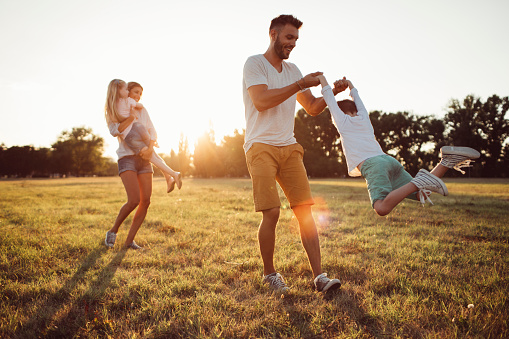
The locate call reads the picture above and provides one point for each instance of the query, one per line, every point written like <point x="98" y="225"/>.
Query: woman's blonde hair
<point x="110" y="109"/>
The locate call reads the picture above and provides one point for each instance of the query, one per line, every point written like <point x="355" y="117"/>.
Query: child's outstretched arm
<point x="337" y="114"/>
<point x="323" y="81"/>
<point x="361" y="109"/>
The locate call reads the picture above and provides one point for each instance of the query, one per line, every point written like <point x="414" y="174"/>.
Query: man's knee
<point x="271" y="216"/>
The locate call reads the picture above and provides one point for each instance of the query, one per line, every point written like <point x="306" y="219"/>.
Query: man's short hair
<point x="282" y="20"/>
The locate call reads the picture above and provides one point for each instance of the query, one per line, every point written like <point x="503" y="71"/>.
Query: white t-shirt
<point x="124" y="110"/>
<point x="273" y="126"/>
<point x="144" y="119"/>
<point x="357" y="134"/>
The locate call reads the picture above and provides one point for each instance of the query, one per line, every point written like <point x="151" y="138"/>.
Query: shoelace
<point x="277" y="281"/>
<point x="465" y="163"/>
<point x="424" y="196"/>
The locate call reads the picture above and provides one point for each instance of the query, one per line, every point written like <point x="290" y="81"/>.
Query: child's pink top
<point x="124" y="110"/>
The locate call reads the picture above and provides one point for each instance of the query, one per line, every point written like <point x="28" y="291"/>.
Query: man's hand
<point x="311" y="80"/>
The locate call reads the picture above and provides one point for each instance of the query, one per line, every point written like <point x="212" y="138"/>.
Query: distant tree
<point x="171" y="160"/>
<point x="184" y="156"/>
<point x="483" y="126"/>
<point x="108" y="168"/>
<point x="323" y="156"/>
<point x="78" y="152"/>
<point x="207" y="157"/>
<point x="17" y="161"/>
<point x="234" y="157"/>
<point x="409" y="138"/>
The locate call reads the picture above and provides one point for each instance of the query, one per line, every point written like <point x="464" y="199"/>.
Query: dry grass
<point x="411" y="274"/>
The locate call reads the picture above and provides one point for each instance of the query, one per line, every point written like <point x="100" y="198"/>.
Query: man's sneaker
<point x="276" y="282"/>
<point x="109" y="241"/>
<point x="457" y="157"/>
<point x="134" y="246"/>
<point x="324" y="284"/>
<point x="427" y="183"/>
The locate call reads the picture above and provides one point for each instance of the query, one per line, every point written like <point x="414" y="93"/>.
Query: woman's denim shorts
<point x="134" y="163"/>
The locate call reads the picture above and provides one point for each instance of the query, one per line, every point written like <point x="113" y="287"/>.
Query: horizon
<point x="412" y="57"/>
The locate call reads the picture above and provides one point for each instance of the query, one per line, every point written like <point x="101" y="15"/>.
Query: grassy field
<point x="411" y="274"/>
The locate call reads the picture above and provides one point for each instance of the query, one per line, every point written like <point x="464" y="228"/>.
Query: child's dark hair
<point x="347" y="106"/>
<point x="280" y="22"/>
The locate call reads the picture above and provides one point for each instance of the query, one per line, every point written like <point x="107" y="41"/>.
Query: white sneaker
<point x="109" y="241"/>
<point x="427" y="183"/>
<point x="134" y="246"/>
<point x="457" y="157"/>
<point x="276" y="283"/>
<point x="324" y="284"/>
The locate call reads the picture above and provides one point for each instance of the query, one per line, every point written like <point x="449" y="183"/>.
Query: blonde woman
<point x="134" y="167"/>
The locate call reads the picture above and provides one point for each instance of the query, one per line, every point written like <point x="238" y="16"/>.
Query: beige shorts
<point x="268" y="164"/>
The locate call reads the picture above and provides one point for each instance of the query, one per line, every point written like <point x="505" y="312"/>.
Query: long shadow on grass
<point x="349" y="306"/>
<point x="59" y="304"/>
<point x="82" y="316"/>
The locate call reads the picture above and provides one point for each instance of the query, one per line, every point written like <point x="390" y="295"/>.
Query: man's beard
<point x="279" y="49"/>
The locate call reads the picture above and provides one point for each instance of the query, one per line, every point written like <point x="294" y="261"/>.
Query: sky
<point x="58" y="56"/>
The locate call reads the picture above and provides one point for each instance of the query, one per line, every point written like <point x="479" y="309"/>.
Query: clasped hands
<point x="312" y="80"/>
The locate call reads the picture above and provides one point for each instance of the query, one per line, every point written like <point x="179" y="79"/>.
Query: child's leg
<point x="159" y="163"/>
<point x="385" y="206"/>
<point x="439" y="170"/>
<point x="134" y="139"/>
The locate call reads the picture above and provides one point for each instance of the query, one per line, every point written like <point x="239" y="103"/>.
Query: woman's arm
<point x="147" y="154"/>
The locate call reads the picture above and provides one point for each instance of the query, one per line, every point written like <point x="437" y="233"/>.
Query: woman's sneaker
<point x="427" y="183"/>
<point x="109" y="241"/>
<point x="324" y="284"/>
<point x="134" y="246"/>
<point x="457" y="157"/>
<point x="276" y="283"/>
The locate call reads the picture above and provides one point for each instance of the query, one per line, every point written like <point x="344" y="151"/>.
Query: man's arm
<point x="315" y="106"/>
<point x="264" y="98"/>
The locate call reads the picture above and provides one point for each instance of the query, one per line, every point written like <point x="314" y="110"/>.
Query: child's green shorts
<point x="383" y="175"/>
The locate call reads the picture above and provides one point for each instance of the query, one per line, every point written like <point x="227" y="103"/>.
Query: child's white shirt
<point x="124" y="110"/>
<point x="357" y="134"/>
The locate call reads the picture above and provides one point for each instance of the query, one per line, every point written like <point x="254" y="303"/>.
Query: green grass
<point x="410" y="274"/>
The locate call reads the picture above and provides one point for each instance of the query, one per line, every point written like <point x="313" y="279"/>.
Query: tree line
<point x="414" y="140"/>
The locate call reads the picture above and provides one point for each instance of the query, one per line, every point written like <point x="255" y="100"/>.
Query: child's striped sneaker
<point x="457" y="157"/>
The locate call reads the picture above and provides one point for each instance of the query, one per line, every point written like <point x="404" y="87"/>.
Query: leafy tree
<point x="184" y="156"/>
<point x="78" y="152"/>
<point x="320" y="140"/>
<point x="17" y="161"/>
<point x="234" y="155"/>
<point x="408" y="138"/>
<point x="207" y="157"/>
<point x="483" y="126"/>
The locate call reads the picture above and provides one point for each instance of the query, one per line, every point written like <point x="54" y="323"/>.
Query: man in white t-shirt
<point x="271" y="88"/>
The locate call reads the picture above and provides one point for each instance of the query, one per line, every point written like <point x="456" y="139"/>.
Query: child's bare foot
<point x="171" y="183"/>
